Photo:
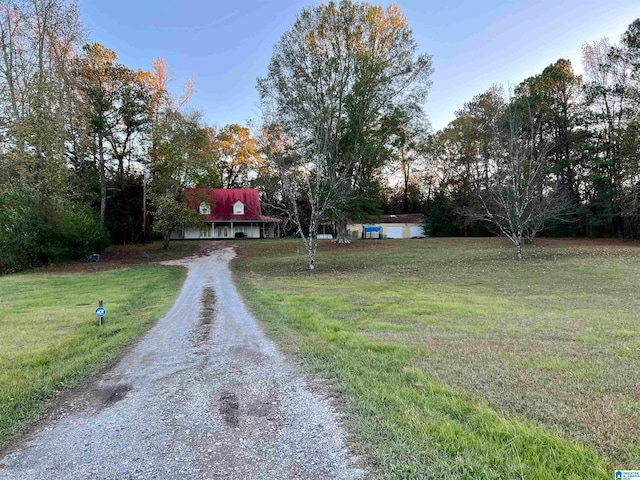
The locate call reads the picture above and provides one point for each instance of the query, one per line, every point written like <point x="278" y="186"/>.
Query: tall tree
<point x="555" y="97"/>
<point x="96" y="70"/>
<point x="180" y="154"/>
<point x="132" y="118"/>
<point x="116" y="104"/>
<point x="176" y="159"/>
<point x="409" y="147"/>
<point x="237" y="156"/>
<point x="609" y="96"/>
<point x="38" y="39"/>
<point x="335" y="82"/>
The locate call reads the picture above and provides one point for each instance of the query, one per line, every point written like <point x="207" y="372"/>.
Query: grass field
<point x="456" y="361"/>
<point x="49" y="335"/>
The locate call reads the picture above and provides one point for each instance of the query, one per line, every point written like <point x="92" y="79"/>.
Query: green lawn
<point x="456" y="361"/>
<point x="49" y="335"/>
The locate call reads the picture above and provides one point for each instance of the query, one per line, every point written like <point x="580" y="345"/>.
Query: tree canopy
<point x="343" y="136"/>
<point x="337" y="83"/>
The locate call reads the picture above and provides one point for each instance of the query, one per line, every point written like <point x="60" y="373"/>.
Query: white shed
<point x="391" y="226"/>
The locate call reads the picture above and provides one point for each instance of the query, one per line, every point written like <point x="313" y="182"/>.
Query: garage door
<point x="416" y="231"/>
<point x="394" y="232"/>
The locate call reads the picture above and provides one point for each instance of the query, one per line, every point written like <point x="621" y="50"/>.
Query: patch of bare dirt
<point x="84" y="396"/>
<point x="229" y="409"/>
<point x="114" y="394"/>
<point x="207" y="314"/>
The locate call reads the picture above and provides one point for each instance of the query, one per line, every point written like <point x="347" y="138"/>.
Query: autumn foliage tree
<point x="180" y="155"/>
<point x="237" y="158"/>
<point x="177" y="159"/>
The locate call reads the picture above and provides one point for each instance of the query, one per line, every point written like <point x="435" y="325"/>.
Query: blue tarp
<point x="368" y="229"/>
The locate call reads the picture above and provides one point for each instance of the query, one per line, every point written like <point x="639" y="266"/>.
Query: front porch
<point x="228" y="230"/>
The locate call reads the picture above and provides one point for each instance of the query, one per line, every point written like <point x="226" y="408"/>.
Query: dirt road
<point x="204" y="395"/>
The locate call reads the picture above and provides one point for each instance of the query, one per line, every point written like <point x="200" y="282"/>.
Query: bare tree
<point x="516" y="196"/>
<point x="309" y="189"/>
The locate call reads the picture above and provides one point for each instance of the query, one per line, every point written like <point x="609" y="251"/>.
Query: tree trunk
<point x="312" y="247"/>
<point x="406" y="190"/>
<point x="518" y="242"/>
<point x="166" y="237"/>
<point x="144" y="208"/>
<point x="342" y="234"/>
<point x="103" y="180"/>
<point x="528" y="238"/>
<point x="121" y="173"/>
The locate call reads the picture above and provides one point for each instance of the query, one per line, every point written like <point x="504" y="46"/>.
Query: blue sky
<point x="226" y="45"/>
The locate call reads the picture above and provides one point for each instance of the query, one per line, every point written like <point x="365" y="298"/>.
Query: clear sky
<point x="226" y="45"/>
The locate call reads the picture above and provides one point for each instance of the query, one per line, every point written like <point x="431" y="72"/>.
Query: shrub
<point x="427" y="228"/>
<point x="35" y="231"/>
<point x="19" y="230"/>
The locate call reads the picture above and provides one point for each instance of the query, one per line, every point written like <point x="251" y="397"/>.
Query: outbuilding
<point x="389" y="226"/>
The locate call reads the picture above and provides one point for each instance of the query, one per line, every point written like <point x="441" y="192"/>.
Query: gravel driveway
<point x="204" y="395"/>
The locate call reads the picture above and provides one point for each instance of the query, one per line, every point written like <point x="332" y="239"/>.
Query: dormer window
<point x="205" y="208"/>
<point x="238" y="208"/>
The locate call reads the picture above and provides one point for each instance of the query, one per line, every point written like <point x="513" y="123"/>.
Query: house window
<point x="238" y="208"/>
<point x="205" y="208"/>
<point x="206" y="231"/>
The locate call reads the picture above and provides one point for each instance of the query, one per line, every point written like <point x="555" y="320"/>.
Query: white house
<point x="228" y="213"/>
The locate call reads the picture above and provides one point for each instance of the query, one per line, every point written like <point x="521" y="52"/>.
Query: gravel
<point x="204" y="395"/>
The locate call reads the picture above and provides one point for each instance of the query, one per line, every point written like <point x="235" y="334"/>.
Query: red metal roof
<point x="222" y="201"/>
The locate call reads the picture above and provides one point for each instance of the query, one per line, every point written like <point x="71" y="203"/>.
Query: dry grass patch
<point x="552" y="341"/>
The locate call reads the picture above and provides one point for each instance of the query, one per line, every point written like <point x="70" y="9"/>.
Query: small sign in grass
<point x="50" y="338"/>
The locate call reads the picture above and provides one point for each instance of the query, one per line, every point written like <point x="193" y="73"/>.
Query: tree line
<point x="82" y="136"/>
<point x="343" y="83"/>
<point x="85" y="139"/>
<point x="561" y="150"/>
<point x="346" y="136"/>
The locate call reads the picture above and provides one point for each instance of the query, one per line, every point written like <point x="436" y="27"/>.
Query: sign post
<point x="100" y="312"/>
<point x="627" y="474"/>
